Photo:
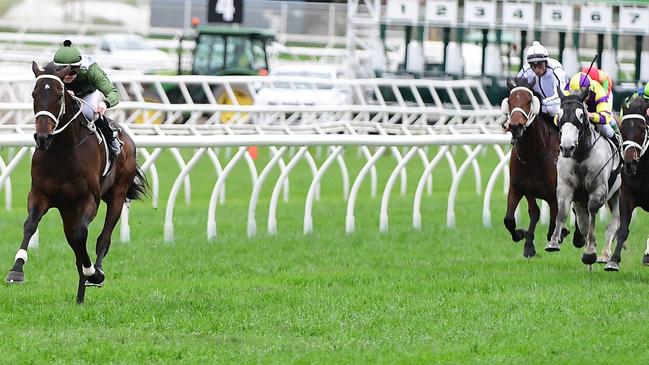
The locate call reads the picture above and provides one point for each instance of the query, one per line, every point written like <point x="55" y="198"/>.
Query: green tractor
<point x="222" y="51"/>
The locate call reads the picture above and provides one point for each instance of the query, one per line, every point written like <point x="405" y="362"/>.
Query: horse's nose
<point x="43" y="140"/>
<point x="567" y="151"/>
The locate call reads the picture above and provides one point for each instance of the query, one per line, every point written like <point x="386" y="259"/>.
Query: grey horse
<point x="588" y="176"/>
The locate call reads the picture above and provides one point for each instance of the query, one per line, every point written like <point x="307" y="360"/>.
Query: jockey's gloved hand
<point x="101" y="108"/>
<point x="593" y="117"/>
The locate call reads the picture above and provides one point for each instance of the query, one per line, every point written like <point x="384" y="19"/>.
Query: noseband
<point x="528" y="116"/>
<point x="46" y="113"/>
<point x="633" y="144"/>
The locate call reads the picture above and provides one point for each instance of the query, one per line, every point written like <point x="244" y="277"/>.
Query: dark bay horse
<point x="67" y="175"/>
<point x="635" y="178"/>
<point x="532" y="164"/>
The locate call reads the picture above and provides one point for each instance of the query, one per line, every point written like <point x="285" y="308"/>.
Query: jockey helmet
<point x="67" y="55"/>
<point x="579" y="81"/>
<point x="645" y="92"/>
<point x="536" y="53"/>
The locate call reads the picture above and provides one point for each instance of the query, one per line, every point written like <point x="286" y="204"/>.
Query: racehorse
<point x="67" y="174"/>
<point x="588" y="176"/>
<point x="532" y="164"/>
<point x="635" y="180"/>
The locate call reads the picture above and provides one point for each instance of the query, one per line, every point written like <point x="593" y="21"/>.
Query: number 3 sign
<point x="518" y="15"/>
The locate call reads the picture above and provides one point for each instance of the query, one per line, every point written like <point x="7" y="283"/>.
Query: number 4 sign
<point x="518" y="15"/>
<point x="634" y="19"/>
<point x="225" y="11"/>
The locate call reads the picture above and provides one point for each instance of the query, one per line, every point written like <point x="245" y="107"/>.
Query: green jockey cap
<point x="646" y="91"/>
<point x="67" y="55"/>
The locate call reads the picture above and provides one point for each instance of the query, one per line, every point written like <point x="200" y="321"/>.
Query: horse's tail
<point x="139" y="186"/>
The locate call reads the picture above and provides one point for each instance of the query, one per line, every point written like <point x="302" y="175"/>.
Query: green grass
<point x="456" y="296"/>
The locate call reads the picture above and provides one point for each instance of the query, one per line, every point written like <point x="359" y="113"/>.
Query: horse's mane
<point x="50" y="68"/>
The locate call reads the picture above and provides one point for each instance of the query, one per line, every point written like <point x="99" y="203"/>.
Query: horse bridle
<point x="57" y="118"/>
<point x="633" y="144"/>
<point x="528" y="116"/>
<point x="581" y="121"/>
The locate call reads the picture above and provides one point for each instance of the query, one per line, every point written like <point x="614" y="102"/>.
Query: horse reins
<point x="633" y="144"/>
<point x="56" y="119"/>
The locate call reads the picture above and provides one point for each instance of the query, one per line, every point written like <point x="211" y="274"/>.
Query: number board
<point x="403" y="10"/>
<point x="596" y="17"/>
<point x="482" y="13"/>
<point x="518" y="15"/>
<point x="634" y="19"/>
<point x="442" y="12"/>
<point x="556" y="16"/>
<point x="225" y="11"/>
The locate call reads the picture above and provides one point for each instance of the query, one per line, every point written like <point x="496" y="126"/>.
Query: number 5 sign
<point x="634" y="19"/>
<point x="555" y="16"/>
<point x="225" y="11"/>
<point x="518" y="15"/>
<point x="596" y="17"/>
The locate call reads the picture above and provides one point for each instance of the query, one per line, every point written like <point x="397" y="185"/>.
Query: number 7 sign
<point x="225" y="11"/>
<point x="634" y="19"/>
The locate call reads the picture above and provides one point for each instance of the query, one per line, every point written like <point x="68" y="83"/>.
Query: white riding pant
<point x="606" y="130"/>
<point x="551" y="105"/>
<point x="91" y="99"/>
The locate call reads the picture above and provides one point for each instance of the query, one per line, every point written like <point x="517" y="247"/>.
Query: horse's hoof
<point x="589" y="258"/>
<point x="603" y="259"/>
<point x="97" y="279"/>
<point x="645" y="260"/>
<point x="15" y="277"/>
<point x="518" y="235"/>
<point x="529" y="252"/>
<point x="612" y="266"/>
<point x="552" y="246"/>
<point x="578" y="240"/>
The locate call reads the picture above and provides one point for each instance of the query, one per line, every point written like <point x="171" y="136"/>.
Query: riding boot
<point x="114" y="146"/>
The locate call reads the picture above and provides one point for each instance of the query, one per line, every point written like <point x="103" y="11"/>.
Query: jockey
<point x="89" y="82"/>
<point x="603" y="78"/>
<point x="599" y="109"/>
<point x="548" y="73"/>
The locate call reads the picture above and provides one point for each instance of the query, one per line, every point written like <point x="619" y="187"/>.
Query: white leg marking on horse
<point x="21" y="254"/>
<point x="646" y="251"/>
<point x="89" y="271"/>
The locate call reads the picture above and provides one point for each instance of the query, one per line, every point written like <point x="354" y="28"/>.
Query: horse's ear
<point x="511" y="83"/>
<point x="36" y="69"/>
<point x="584" y="94"/>
<point x="560" y="93"/>
<point x="63" y="72"/>
<point x="531" y="84"/>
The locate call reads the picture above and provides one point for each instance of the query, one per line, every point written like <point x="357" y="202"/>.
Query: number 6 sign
<point x="596" y="17"/>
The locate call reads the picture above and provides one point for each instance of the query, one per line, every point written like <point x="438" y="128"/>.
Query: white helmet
<point x="537" y="53"/>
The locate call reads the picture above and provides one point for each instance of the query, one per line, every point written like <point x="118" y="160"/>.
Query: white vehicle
<point x="303" y="84"/>
<point x="130" y="52"/>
